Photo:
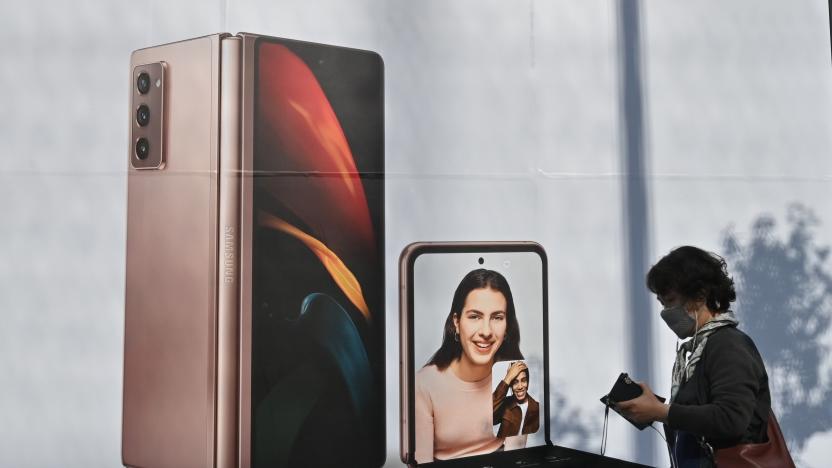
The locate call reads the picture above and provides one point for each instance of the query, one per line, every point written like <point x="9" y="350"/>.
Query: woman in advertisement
<point x="453" y="397"/>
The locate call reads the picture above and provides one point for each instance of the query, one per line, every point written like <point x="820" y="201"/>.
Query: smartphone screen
<point x="317" y="377"/>
<point x="478" y="356"/>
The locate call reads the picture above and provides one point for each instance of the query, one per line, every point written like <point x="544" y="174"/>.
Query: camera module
<point x="481" y="261"/>
<point x="142" y="148"/>
<point x="143" y="83"/>
<point x="143" y="115"/>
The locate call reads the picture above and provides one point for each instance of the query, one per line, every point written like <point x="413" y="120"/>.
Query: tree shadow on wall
<point x="784" y="291"/>
<point x="572" y="426"/>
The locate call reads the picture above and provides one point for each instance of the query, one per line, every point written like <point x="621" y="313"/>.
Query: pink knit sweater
<point x="453" y="417"/>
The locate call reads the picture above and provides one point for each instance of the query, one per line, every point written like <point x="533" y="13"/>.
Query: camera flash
<point x="158" y="82"/>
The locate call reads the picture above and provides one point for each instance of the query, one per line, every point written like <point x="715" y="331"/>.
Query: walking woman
<point x="719" y="396"/>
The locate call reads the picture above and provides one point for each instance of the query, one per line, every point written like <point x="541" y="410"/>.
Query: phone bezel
<point x="407" y="368"/>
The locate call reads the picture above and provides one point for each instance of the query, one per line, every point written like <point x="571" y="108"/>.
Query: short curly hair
<point x="695" y="274"/>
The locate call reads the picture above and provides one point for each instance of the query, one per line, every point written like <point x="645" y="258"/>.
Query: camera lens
<point x="142" y="148"/>
<point x="143" y="82"/>
<point x="481" y="261"/>
<point x="143" y="115"/>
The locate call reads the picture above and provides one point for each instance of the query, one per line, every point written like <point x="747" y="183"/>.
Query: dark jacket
<point x="727" y="398"/>
<point x="508" y="415"/>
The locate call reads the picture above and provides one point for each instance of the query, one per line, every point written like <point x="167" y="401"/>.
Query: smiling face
<point x="520" y="386"/>
<point x="481" y="326"/>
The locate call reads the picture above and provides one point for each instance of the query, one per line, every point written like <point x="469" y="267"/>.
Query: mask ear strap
<point x="695" y="329"/>
<point x="695" y="326"/>
<point x="692" y="348"/>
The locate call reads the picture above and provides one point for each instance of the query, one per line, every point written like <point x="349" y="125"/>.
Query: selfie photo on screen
<point x="516" y="412"/>
<point x="477" y="353"/>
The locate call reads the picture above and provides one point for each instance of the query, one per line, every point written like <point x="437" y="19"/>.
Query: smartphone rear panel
<point x="171" y="279"/>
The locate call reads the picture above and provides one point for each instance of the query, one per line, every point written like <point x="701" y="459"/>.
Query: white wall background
<point x="512" y="107"/>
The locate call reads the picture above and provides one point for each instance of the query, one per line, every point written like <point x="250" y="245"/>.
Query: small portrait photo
<point x="516" y="413"/>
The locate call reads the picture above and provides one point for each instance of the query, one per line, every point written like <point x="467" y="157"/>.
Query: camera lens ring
<point x="142" y="148"/>
<point x="143" y="83"/>
<point x="143" y="115"/>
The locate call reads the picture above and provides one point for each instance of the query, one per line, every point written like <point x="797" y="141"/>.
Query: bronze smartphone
<point x="468" y="312"/>
<point x="180" y="346"/>
<point x="254" y="314"/>
<point x="312" y="265"/>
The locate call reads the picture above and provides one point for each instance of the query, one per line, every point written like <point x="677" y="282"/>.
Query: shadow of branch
<point x="784" y="291"/>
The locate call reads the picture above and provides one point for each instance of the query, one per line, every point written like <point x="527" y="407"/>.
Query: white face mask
<point x="677" y="318"/>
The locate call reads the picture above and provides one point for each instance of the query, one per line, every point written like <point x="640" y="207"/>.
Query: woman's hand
<point x="646" y="408"/>
<point x="513" y="371"/>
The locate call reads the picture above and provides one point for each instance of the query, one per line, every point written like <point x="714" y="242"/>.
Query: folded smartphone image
<point x="254" y="321"/>
<point x="474" y="349"/>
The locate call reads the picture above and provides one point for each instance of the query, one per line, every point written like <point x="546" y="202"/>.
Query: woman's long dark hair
<point x="451" y="349"/>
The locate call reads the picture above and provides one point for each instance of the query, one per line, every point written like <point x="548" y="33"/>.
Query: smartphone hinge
<point x="228" y="278"/>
